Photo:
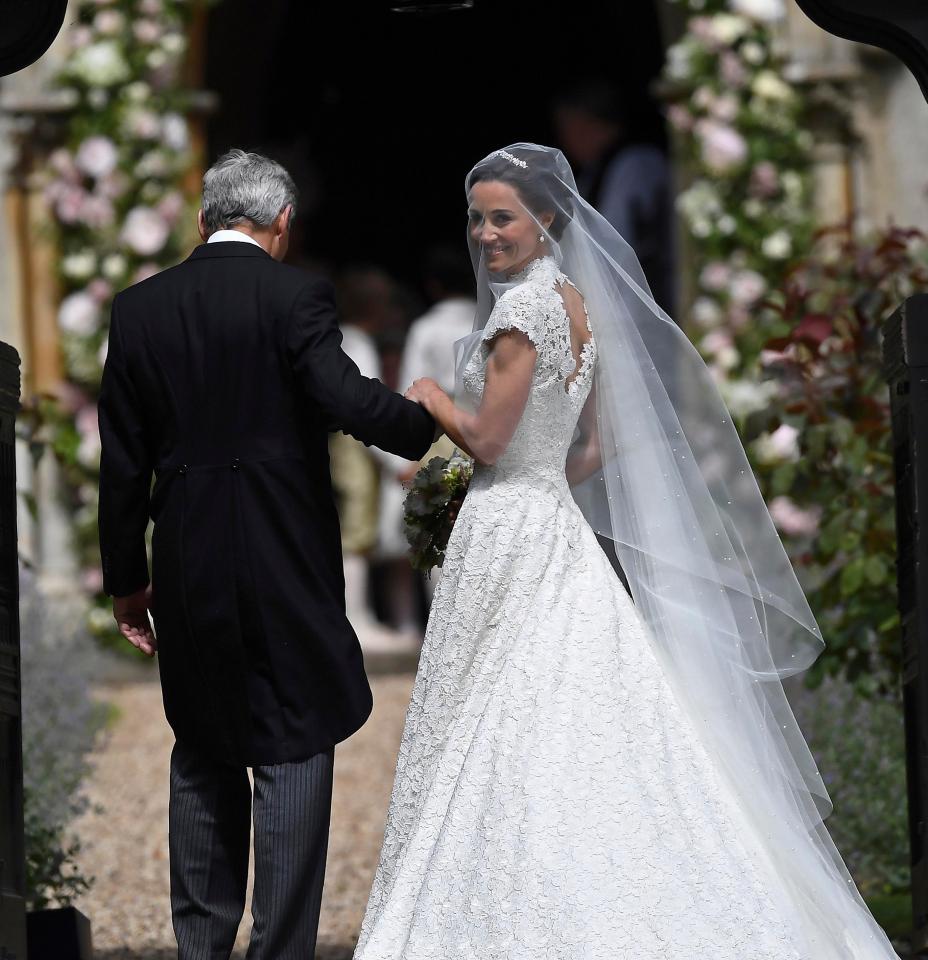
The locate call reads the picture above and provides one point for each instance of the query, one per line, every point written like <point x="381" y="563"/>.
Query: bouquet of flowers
<point x="435" y="495"/>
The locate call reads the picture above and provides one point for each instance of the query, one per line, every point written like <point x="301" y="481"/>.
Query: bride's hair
<point x="534" y="176"/>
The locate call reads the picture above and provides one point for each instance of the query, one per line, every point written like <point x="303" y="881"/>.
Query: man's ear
<point x="284" y="218"/>
<point x="201" y="225"/>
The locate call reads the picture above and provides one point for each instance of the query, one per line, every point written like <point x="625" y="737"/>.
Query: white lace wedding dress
<point x="552" y="800"/>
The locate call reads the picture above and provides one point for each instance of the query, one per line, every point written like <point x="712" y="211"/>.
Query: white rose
<point x="79" y="314"/>
<point x="679" y="62"/>
<point x="96" y="156"/>
<point x="728" y="28"/>
<point x="173" y="44"/>
<point x="747" y="286"/>
<point x="137" y="92"/>
<point x="79" y="266"/>
<point x="776" y="447"/>
<point x="727" y="224"/>
<point x="771" y="87"/>
<point x="706" y="312"/>
<point x="778" y="246"/>
<point x="109" y="22"/>
<point x="174" y="132"/>
<point x="100" y="64"/>
<point x="114" y="265"/>
<point x="744" y="397"/>
<point x="766" y="11"/>
<point x="156" y="59"/>
<point x="145" y="231"/>
<point x="753" y="53"/>
<point x="152" y="164"/>
<point x="142" y="123"/>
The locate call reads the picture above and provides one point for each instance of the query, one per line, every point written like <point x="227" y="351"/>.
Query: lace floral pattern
<point x="551" y="799"/>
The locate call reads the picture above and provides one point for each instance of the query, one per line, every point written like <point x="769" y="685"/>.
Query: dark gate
<point x="12" y="865"/>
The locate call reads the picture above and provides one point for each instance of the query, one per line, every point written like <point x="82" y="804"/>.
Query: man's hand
<point x="131" y="615"/>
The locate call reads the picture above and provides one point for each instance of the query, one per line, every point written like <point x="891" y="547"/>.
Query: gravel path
<point x="126" y="846"/>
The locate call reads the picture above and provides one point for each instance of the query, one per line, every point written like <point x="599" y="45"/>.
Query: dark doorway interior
<point x="380" y="115"/>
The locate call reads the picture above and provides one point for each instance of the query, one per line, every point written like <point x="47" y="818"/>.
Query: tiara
<point x="512" y="159"/>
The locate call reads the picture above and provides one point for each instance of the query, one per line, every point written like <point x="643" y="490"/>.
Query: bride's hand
<point x="424" y="391"/>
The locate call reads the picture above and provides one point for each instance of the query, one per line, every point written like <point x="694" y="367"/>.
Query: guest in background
<point x="367" y="305"/>
<point x="624" y="177"/>
<point x="448" y="280"/>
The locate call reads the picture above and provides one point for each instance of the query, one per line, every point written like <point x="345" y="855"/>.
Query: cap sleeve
<point x="516" y="311"/>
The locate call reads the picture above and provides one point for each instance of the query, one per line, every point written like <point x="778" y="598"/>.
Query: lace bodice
<point x="560" y="386"/>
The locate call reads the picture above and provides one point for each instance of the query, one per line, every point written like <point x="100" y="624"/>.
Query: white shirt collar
<point x="221" y="236"/>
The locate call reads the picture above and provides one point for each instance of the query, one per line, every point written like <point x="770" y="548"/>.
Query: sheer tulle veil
<point x="704" y="563"/>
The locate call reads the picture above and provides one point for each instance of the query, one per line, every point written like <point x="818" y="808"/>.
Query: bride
<point x="586" y="774"/>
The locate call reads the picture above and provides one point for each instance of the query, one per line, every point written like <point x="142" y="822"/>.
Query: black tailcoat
<point x="223" y="378"/>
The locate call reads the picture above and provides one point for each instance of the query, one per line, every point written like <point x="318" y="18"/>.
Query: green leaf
<point x="852" y="577"/>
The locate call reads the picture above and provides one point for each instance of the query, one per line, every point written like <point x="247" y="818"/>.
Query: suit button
<point x="235" y="463"/>
<point x="182" y="469"/>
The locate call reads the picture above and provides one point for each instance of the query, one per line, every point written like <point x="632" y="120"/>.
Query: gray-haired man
<point x="224" y="376"/>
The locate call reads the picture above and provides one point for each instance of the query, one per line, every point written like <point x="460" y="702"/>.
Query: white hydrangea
<point x="174" y="132"/>
<point x="777" y="246"/>
<point x="766" y="11"/>
<point x="114" y="265"/>
<point x="137" y="92"/>
<point x="706" y="312"/>
<point x="79" y="314"/>
<point x="700" y="201"/>
<point x="753" y="52"/>
<point x="744" y="397"/>
<point x="728" y="28"/>
<point x="79" y="266"/>
<point x="679" y="61"/>
<point x="100" y="64"/>
<point x="769" y="86"/>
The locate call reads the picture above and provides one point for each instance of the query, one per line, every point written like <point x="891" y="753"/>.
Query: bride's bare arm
<point x="485" y="435"/>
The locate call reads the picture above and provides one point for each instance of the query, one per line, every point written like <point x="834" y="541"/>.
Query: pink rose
<point x="69" y="204"/>
<point x="715" y="275"/>
<point x="764" y="181"/>
<point x="733" y="71"/>
<point x="145" y="231"/>
<point x="145" y="271"/>
<point x="101" y="290"/>
<point x="793" y="520"/>
<point x="723" y="148"/>
<point x="680" y="118"/>
<point x="97" y="211"/>
<point x="96" y="156"/>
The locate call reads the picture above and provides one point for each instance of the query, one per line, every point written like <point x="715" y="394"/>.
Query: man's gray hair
<point x="242" y="186"/>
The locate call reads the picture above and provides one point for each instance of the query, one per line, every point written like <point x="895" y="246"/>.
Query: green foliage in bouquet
<point x="429" y="515"/>
<point x="823" y="447"/>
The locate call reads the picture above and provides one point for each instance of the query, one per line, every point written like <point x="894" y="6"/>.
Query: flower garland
<point x="113" y="191"/>
<point x="746" y="158"/>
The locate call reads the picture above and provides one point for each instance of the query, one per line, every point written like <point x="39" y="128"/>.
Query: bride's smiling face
<point x="505" y="230"/>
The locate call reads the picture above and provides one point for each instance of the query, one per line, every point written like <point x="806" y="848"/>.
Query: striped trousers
<point x="211" y="807"/>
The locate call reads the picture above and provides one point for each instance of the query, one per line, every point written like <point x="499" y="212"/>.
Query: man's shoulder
<point x="288" y="279"/>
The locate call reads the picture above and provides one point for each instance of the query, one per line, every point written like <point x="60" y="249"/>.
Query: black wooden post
<point x="12" y="853"/>
<point x="905" y="364"/>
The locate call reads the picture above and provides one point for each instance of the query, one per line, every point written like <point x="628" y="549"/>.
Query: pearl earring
<point x="541" y="238"/>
